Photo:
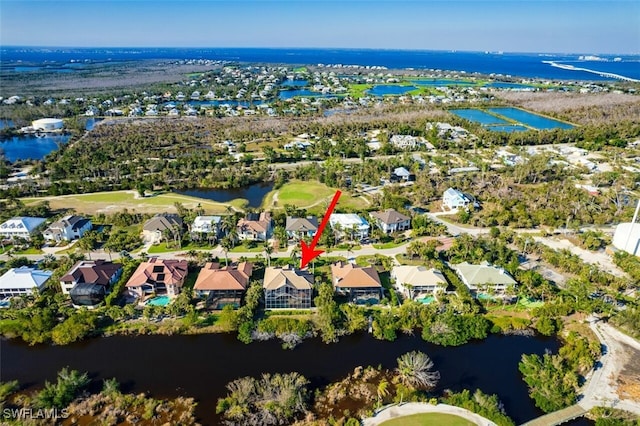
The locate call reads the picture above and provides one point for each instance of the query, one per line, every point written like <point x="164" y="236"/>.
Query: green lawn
<point x="429" y="419"/>
<point x="389" y="245"/>
<point x="30" y="250"/>
<point x="299" y="193"/>
<point x="109" y="202"/>
<point x="357" y="90"/>
<point x="244" y="248"/>
<point x="162" y="248"/>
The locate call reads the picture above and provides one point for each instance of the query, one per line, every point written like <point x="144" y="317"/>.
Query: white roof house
<point x="206" y="224"/>
<point x="20" y="227"/>
<point x="347" y="222"/>
<point x="418" y="279"/>
<point x="23" y="280"/>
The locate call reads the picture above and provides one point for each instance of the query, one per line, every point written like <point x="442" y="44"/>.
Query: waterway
<point x="389" y="89"/>
<point x="31" y="147"/>
<point x="200" y="366"/>
<point x="252" y="193"/>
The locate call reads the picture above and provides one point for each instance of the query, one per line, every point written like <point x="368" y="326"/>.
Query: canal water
<point x="201" y="365"/>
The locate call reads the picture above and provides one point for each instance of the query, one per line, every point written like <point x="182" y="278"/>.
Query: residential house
<point x="418" y="282"/>
<point x="158" y="276"/>
<point x="223" y="286"/>
<point x="299" y="227"/>
<point x="402" y="174"/>
<point x="287" y="287"/>
<point x="160" y="227"/>
<point x="255" y="227"/>
<point x="361" y="284"/>
<point x="20" y="227"/>
<point x="484" y="277"/>
<point x="390" y="221"/>
<point x="206" y="225"/>
<point x="22" y="281"/>
<point x="68" y="228"/>
<point x="405" y="141"/>
<point x="89" y="281"/>
<point x="453" y="199"/>
<point x="349" y="224"/>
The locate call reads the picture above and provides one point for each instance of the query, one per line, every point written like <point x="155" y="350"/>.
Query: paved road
<point x="410" y="408"/>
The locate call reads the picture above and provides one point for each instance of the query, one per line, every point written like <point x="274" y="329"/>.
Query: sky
<point x="564" y="26"/>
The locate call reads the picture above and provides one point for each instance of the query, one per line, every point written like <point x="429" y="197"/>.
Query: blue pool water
<point x="389" y="89"/>
<point x="159" y="301"/>
<point x="533" y="120"/>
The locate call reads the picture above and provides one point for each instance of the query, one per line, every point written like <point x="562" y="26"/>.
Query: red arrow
<point x="309" y="252"/>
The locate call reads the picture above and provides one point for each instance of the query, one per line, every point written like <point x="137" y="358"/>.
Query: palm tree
<point x="226" y="245"/>
<point x="382" y="390"/>
<point x="414" y="369"/>
<point x="268" y="249"/>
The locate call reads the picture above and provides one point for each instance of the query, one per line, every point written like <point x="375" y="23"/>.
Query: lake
<point x="437" y="82"/>
<point x="478" y="116"/>
<point x="533" y="120"/>
<point x="294" y="83"/>
<point x="252" y="193"/>
<point x="201" y="365"/>
<point x="31" y="147"/>
<point x="389" y="89"/>
<point x="303" y="93"/>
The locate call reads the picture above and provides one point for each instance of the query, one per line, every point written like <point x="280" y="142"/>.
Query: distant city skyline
<point x="569" y="26"/>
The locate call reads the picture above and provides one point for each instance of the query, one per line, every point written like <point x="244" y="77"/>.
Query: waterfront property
<point x="360" y="284"/>
<point x="22" y="281"/>
<point x="255" y="227"/>
<point x="299" y="227"/>
<point x="484" y="277"/>
<point x="161" y="227"/>
<point x="287" y="287"/>
<point x="349" y="224"/>
<point x="453" y="199"/>
<point x="158" y="276"/>
<point x="418" y="282"/>
<point x="89" y="281"/>
<point x="390" y="221"/>
<point x="20" y="227"/>
<point x="222" y="286"/>
<point x="206" y="227"/>
<point x="68" y="228"/>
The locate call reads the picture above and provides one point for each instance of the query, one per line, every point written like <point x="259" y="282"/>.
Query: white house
<point x="402" y="173"/>
<point x="453" y="199"/>
<point x="390" y="220"/>
<point x="68" y="228"/>
<point x="206" y="224"/>
<point x="405" y="141"/>
<point x="20" y="227"/>
<point x="21" y="281"/>
<point x="479" y="277"/>
<point x="349" y="224"/>
<point x="418" y="281"/>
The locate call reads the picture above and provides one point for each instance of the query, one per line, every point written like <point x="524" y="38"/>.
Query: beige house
<point x="418" y="282"/>
<point x="287" y="287"/>
<point x="479" y="278"/>
<point x="161" y="225"/>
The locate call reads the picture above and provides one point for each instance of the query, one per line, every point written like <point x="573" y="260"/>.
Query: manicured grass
<point x="243" y="248"/>
<point x="300" y="194"/>
<point x="429" y="419"/>
<point x="30" y="250"/>
<point x="162" y="248"/>
<point x="388" y="245"/>
<point x="111" y="202"/>
<point x="357" y="90"/>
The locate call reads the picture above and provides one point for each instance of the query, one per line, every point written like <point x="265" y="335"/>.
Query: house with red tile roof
<point x="223" y="286"/>
<point x="158" y="276"/>
<point x="361" y="284"/>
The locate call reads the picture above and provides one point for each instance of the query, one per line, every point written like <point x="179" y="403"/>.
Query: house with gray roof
<point x="299" y="227"/>
<point x="155" y="229"/>
<point x="484" y="276"/>
<point x="68" y="228"/>
<point x="391" y="220"/>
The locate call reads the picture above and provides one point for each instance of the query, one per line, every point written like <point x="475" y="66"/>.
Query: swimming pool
<point x="159" y="301"/>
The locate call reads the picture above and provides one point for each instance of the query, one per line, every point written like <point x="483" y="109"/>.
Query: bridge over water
<point x="558" y="417"/>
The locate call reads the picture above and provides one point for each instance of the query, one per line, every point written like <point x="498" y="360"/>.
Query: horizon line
<point x="399" y="49"/>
